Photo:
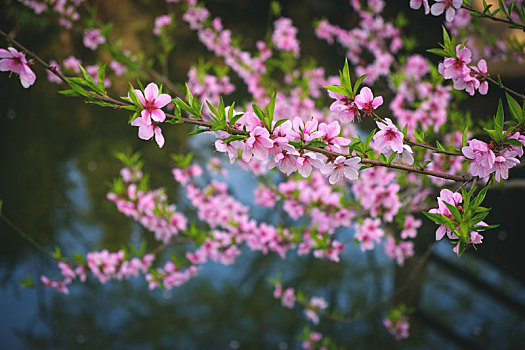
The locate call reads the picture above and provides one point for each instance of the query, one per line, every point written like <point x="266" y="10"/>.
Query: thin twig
<point x="28" y="238"/>
<point x="499" y="84"/>
<point x="494" y="18"/>
<point x="434" y="149"/>
<point x="233" y="131"/>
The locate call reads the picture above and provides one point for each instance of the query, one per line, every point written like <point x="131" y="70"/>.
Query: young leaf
<point x="514" y="107"/>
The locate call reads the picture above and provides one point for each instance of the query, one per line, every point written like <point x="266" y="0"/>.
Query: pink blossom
<point x="447" y="6"/>
<point x="14" y="61"/>
<point x="502" y="164"/>
<point x="342" y="168"/>
<point x="410" y="227"/>
<point x="482" y="71"/>
<point x="446" y="196"/>
<point x="288" y="298"/>
<point x="388" y="139"/>
<point x="306" y="162"/>
<point x="93" y="38"/>
<point x="118" y="68"/>
<point x="160" y="23"/>
<point x="366" y="102"/>
<point x="344" y="108"/>
<point x="416" y="4"/>
<point x="152" y="102"/>
<point x="368" y="233"/>
<point x="483" y="158"/>
<point x="257" y="145"/>
<point x="284" y="36"/>
<point x="398" y="328"/>
<point x="331" y="136"/>
<point x="307" y="131"/>
<point x="72" y="63"/>
<point x="146" y="131"/>
<point x="456" y="67"/>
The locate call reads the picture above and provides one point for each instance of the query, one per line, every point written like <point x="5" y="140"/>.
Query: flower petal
<point x="151" y="92"/>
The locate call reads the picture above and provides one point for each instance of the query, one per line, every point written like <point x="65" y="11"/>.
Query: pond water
<point x="57" y="161"/>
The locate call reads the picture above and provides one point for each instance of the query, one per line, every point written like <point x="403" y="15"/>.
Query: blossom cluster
<point x="150" y="208"/>
<point x="468" y="78"/>
<point x="454" y="199"/>
<point x="373" y="35"/>
<point x="419" y="102"/>
<point x="67" y="10"/>
<point x="488" y="159"/>
<point x="103" y="265"/>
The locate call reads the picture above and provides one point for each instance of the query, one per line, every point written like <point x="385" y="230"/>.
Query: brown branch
<point x="234" y="131"/>
<point x="494" y="18"/>
<point x="394" y="165"/>
<point x="164" y="80"/>
<point x="28" y="238"/>
<point x="499" y="84"/>
<point x="434" y="149"/>
<point x="416" y="144"/>
<point x="40" y="61"/>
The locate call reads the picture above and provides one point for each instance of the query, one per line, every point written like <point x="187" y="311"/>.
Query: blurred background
<point x="54" y="174"/>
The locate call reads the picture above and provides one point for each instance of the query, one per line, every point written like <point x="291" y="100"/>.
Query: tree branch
<point x="494" y="18"/>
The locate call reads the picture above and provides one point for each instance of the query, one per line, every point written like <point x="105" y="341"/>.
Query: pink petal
<point x="140" y="96"/>
<point x="151" y="92"/>
<point x="367" y="94"/>
<point x="158" y="137"/>
<point x="335" y="177"/>
<point x="484" y="88"/>
<point x="162" y="100"/>
<point x="158" y="115"/>
<point x="449" y="15"/>
<point x="437" y="9"/>
<point x="146" y="131"/>
<point x="146" y="117"/>
<point x="5" y="54"/>
<point x="482" y="65"/>
<point x="27" y="76"/>
<point x="378" y="101"/>
<point x="351" y="174"/>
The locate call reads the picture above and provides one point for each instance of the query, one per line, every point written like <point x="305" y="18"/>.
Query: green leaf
<point x="133" y="117"/>
<point x="279" y="122"/>
<point x="437" y="218"/>
<point x="358" y="83"/>
<point x="100" y="76"/>
<point x="346" y="82"/>
<point x="234" y="138"/>
<point x="391" y="158"/>
<point x="499" y="121"/>
<point x="58" y="253"/>
<point x="235" y="118"/>
<point x="260" y="114"/>
<point x="133" y="96"/>
<point x="198" y="131"/>
<point x="316" y="143"/>
<point x="461" y="249"/>
<point x="513" y="142"/>
<point x="454" y="211"/>
<point x="338" y="90"/>
<point x="446" y="40"/>
<point x="464" y="138"/>
<point x="439" y="52"/>
<point x="271" y="108"/>
<point x="28" y="282"/>
<point x="514" y="107"/>
<point x="369" y="138"/>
